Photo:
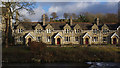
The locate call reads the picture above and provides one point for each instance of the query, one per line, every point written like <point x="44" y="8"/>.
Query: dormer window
<point x="77" y="30"/>
<point x="20" y="30"/>
<point x="48" y="30"/>
<point x="67" y="31"/>
<point x="105" y="31"/>
<point x="39" y="30"/>
<point x="95" y="31"/>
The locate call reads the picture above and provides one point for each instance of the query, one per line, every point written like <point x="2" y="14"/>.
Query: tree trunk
<point x="6" y="33"/>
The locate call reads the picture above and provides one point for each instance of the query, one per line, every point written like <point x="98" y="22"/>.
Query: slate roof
<point x="59" y="26"/>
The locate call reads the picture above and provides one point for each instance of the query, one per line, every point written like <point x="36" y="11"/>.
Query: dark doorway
<point x="58" y="40"/>
<point x="114" y="40"/>
<point x="87" y="41"/>
<point x="29" y="41"/>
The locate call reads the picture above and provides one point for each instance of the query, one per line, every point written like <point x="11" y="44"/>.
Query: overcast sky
<point x="70" y="7"/>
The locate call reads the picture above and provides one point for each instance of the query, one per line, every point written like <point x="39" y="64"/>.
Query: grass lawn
<point x="61" y="54"/>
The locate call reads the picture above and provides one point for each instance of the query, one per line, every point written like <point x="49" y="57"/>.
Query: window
<point x="67" y="31"/>
<point x="77" y="30"/>
<point x="48" y="31"/>
<point x="38" y="30"/>
<point x="76" y="38"/>
<point x="94" y="39"/>
<point x="104" y="38"/>
<point x="105" y="31"/>
<point x="94" y="31"/>
<point x="38" y="39"/>
<point x="20" y="39"/>
<point x="48" y="38"/>
<point x="20" y="30"/>
<point x="67" y="38"/>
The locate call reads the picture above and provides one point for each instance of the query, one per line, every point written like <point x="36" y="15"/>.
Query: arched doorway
<point x="114" y="40"/>
<point x="58" y="41"/>
<point x="86" y="41"/>
<point x="29" y="41"/>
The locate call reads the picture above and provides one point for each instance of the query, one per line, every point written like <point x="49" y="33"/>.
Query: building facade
<point x="66" y="33"/>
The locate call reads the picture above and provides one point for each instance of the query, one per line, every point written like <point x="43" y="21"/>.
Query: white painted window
<point x="95" y="31"/>
<point x="67" y="39"/>
<point x="20" y="30"/>
<point x="20" y="39"/>
<point x="66" y="30"/>
<point x="39" y="30"/>
<point x="77" y="30"/>
<point x="105" y="31"/>
<point x="104" y="39"/>
<point x="76" y="38"/>
<point x="48" y="38"/>
<point x="39" y="39"/>
<point x="94" y="39"/>
<point x="48" y="30"/>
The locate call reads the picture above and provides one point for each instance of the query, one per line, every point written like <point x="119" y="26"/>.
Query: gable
<point x="86" y="34"/>
<point x="76" y="26"/>
<point x="94" y="26"/>
<point x="114" y="35"/>
<point x="118" y="28"/>
<point x="105" y="26"/>
<point x="49" y="27"/>
<point x="29" y="34"/>
<point x="38" y="26"/>
<point x="67" y="26"/>
<point x="58" y="34"/>
<point x="20" y="26"/>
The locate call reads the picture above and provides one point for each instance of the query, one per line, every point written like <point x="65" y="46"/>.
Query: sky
<point x="70" y="7"/>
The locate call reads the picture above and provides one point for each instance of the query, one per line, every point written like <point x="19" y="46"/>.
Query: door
<point x="29" y="41"/>
<point x="114" y="40"/>
<point x="87" y="41"/>
<point x="58" y="40"/>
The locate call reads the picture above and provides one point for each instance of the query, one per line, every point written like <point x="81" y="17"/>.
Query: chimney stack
<point x="71" y="20"/>
<point x="43" y="19"/>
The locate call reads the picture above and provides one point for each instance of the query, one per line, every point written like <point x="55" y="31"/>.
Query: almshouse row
<point x="66" y="33"/>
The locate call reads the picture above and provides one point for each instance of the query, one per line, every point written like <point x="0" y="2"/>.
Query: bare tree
<point x="66" y="15"/>
<point x="11" y="8"/>
<point x="54" y="15"/>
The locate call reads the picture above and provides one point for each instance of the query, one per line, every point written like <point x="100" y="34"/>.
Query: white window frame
<point x="39" y="38"/>
<point x="67" y="30"/>
<point x="67" y="39"/>
<point x="105" y="39"/>
<point x="48" y="30"/>
<point x="77" y="30"/>
<point x="95" y="31"/>
<point x="20" y="30"/>
<point x="94" y="39"/>
<point x="20" y="39"/>
<point x="105" y="31"/>
<point x="76" y="38"/>
<point x="38" y="30"/>
<point x="48" y="38"/>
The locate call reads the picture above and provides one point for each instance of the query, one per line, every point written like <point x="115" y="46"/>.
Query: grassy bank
<point x="62" y="54"/>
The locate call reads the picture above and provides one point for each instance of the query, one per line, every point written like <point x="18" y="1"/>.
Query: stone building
<point x="56" y="33"/>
